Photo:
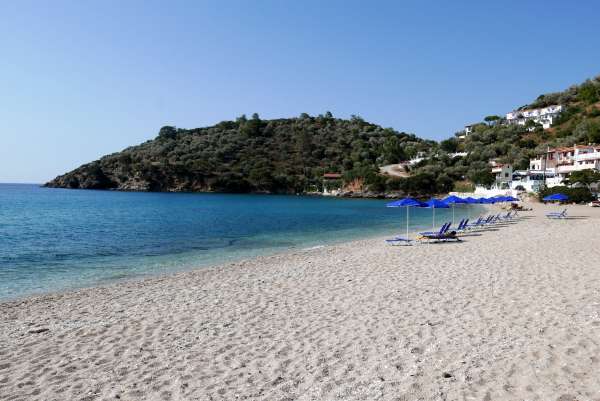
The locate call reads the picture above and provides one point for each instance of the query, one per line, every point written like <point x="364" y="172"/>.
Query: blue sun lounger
<point x="443" y="235"/>
<point x="399" y="241"/>
<point x="443" y="229"/>
<point x="556" y="215"/>
<point x="462" y="226"/>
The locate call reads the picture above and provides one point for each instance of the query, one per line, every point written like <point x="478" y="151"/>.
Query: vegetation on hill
<point x="291" y="155"/>
<point x="251" y="155"/>
<point x="514" y="144"/>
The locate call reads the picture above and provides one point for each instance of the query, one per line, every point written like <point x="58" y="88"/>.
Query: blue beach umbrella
<point x="556" y="197"/>
<point x="453" y="200"/>
<point x="512" y="199"/>
<point x="406" y="203"/>
<point x="435" y="204"/>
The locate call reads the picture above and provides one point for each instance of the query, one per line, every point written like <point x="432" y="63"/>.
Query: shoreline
<point x="225" y="260"/>
<point x="353" y="321"/>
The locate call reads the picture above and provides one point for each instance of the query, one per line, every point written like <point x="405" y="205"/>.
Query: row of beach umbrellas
<point x="445" y="203"/>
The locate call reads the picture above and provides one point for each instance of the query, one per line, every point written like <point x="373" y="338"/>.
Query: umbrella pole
<point x="406" y="222"/>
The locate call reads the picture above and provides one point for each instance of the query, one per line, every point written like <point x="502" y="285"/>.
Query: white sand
<point x="511" y="314"/>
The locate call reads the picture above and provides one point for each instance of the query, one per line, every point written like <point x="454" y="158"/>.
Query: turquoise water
<point x="56" y="239"/>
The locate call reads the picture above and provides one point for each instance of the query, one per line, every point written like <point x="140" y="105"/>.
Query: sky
<point x="81" y="79"/>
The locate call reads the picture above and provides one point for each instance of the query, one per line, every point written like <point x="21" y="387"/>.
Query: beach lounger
<point x="474" y="225"/>
<point x="445" y="236"/>
<point x="399" y="241"/>
<point x="443" y="229"/>
<point x="442" y="235"/>
<point x="485" y="222"/>
<point x="462" y="226"/>
<point x="557" y="215"/>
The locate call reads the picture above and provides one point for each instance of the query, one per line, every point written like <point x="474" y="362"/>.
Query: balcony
<point x="567" y="168"/>
<point x="588" y="156"/>
<point x="576" y="167"/>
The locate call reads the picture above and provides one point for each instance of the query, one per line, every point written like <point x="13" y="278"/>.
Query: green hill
<point x="250" y="155"/>
<point x="291" y="155"/>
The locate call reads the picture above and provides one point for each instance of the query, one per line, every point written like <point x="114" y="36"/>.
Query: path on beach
<point x="511" y="313"/>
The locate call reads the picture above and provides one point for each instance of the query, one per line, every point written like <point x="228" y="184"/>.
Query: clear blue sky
<point x="82" y="79"/>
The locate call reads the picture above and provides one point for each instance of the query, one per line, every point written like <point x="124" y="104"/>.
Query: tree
<point x="587" y="130"/>
<point x="167" y="132"/>
<point x="588" y="92"/>
<point x="444" y="183"/>
<point x="482" y="177"/>
<point x="252" y="127"/>
<point x="577" y="195"/>
<point x="585" y="177"/>
<point x="449" y="145"/>
<point x="491" y="119"/>
<point x="393" y="152"/>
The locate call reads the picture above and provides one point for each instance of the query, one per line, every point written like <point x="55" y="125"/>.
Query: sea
<point x="54" y="240"/>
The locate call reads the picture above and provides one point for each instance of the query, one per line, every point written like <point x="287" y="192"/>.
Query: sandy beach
<point x="511" y="313"/>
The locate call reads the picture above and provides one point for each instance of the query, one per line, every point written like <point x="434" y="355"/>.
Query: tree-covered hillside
<point x="250" y="155"/>
<point x="291" y="155"/>
<point x="493" y="139"/>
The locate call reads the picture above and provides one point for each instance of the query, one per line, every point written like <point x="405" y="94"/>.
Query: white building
<point x="558" y="163"/>
<point x="545" y="116"/>
<point x="467" y="131"/>
<point x="503" y="173"/>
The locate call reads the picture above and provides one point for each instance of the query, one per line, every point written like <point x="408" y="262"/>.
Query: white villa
<point x="550" y="168"/>
<point x="545" y="116"/>
<point x="561" y="162"/>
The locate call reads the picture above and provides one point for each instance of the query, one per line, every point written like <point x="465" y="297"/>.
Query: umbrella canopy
<point x="556" y="197"/>
<point x="435" y="204"/>
<point x="511" y="199"/>
<point x="407" y="203"/>
<point x="453" y="200"/>
<point x="500" y="198"/>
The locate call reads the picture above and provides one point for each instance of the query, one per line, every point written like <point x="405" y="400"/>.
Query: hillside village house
<point x="549" y="168"/>
<point x="468" y="130"/>
<point x="502" y="172"/>
<point x="561" y="162"/>
<point x="546" y="116"/>
<point x="332" y="183"/>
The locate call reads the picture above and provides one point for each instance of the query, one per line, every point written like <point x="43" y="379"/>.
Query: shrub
<point x="577" y="195"/>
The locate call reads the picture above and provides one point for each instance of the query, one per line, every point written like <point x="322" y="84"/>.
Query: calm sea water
<point x="55" y="239"/>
